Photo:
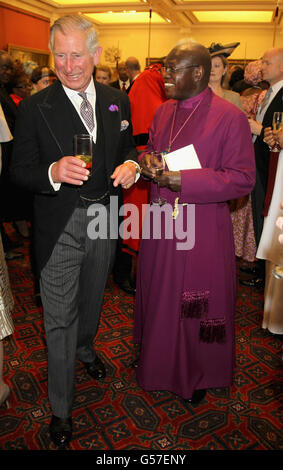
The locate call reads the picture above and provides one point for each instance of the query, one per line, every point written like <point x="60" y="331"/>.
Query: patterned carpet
<point x="116" y="414"/>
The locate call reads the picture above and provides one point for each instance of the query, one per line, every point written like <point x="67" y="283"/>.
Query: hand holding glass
<point x="157" y="162"/>
<point x="83" y="149"/>
<point x="277" y="124"/>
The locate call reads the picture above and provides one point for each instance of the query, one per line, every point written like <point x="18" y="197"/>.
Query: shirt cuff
<point x="55" y="186"/>
<point x="138" y="169"/>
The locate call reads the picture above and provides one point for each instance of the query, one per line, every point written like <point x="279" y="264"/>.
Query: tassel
<point x="194" y="304"/>
<point x="213" y="330"/>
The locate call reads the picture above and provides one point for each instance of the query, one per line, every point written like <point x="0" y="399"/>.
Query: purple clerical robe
<point x="186" y="293"/>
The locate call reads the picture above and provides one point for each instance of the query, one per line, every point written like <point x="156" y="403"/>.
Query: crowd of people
<point x="222" y="179"/>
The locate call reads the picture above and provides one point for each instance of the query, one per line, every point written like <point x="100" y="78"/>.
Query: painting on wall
<point x="32" y="57"/>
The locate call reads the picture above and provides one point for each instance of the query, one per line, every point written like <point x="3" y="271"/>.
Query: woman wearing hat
<point x="219" y="70"/>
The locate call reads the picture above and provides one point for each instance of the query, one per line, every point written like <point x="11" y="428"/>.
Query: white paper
<point x="183" y="159"/>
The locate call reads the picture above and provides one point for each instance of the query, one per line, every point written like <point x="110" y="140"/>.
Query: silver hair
<point x="74" y="23"/>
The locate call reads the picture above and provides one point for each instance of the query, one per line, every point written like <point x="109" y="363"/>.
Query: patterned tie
<point x="86" y="111"/>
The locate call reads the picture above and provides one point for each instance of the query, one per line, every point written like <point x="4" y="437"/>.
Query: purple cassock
<point x="186" y="293"/>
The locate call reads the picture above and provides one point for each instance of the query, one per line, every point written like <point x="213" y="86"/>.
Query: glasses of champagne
<point x="83" y="149"/>
<point x="157" y="162"/>
<point x="277" y="125"/>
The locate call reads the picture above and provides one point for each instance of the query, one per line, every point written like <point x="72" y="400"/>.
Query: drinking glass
<point x="83" y="149"/>
<point x="277" y="124"/>
<point x="157" y="162"/>
<point x="278" y="272"/>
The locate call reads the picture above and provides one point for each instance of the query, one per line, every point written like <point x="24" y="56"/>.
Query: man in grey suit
<point x="73" y="267"/>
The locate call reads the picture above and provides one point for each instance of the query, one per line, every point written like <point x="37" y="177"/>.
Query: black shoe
<point x="197" y="397"/>
<point x="96" y="368"/>
<point x="60" y="431"/>
<point x="257" y="282"/>
<point x="126" y="287"/>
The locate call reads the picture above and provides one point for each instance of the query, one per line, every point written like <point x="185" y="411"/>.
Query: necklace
<point x="172" y="139"/>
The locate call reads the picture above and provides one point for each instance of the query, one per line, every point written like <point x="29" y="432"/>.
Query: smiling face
<point x="73" y="61"/>
<point x="184" y="75"/>
<point x="218" y="70"/>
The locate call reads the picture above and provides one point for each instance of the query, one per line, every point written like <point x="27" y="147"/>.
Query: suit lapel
<point x="61" y="119"/>
<point x="110" y="125"/>
<point x="275" y="105"/>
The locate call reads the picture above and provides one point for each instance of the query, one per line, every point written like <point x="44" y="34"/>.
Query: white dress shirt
<point x="127" y="84"/>
<point x="76" y="100"/>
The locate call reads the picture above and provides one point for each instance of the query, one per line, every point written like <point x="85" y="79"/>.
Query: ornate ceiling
<point x="178" y="13"/>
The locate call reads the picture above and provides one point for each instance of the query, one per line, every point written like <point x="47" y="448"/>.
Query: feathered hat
<point x="219" y="49"/>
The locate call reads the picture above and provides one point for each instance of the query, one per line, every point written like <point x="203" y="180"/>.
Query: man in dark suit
<point x="272" y="71"/>
<point x="123" y="82"/>
<point x="73" y="266"/>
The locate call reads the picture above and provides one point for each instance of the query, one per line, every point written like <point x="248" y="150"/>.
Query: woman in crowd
<point x="21" y="87"/>
<point x="41" y="78"/>
<point x="219" y="69"/>
<point x="103" y="74"/>
<point x="6" y="299"/>
<point x="241" y="209"/>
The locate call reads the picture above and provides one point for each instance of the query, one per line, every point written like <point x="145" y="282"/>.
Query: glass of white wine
<point x="83" y="149"/>
<point x="157" y="162"/>
<point x="277" y="125"/>
<point x="278" y="272"/>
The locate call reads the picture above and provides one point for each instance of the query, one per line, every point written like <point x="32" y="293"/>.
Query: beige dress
<point x="6" y="298"/>
<point x="241" y="209"/>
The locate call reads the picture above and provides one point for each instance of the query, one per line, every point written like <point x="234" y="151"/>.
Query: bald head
<point x="196" y="53"/>
<point x="133" y="67"/>
<point x="272" y="65"/>
<point x="187" y="70"/>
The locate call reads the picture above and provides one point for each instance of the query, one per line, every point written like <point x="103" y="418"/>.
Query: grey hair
<point x="74" y="23"/>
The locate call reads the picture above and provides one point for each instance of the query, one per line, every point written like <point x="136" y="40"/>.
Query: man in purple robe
<point x="186" y="292"/>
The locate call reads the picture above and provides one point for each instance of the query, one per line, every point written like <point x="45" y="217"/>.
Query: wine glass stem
<point x="158" y="191"/>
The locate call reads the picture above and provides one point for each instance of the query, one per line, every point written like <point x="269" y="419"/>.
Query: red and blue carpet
<point x="116" y="414"/>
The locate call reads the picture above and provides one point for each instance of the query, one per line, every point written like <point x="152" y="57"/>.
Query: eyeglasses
<point x="27" y="85"/>
<point x="172" y="70"/>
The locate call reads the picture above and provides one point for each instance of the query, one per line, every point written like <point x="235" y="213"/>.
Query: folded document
<point x="182" y="159"/>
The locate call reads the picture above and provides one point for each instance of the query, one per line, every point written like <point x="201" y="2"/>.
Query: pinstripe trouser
<point x="72" y="288"/>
